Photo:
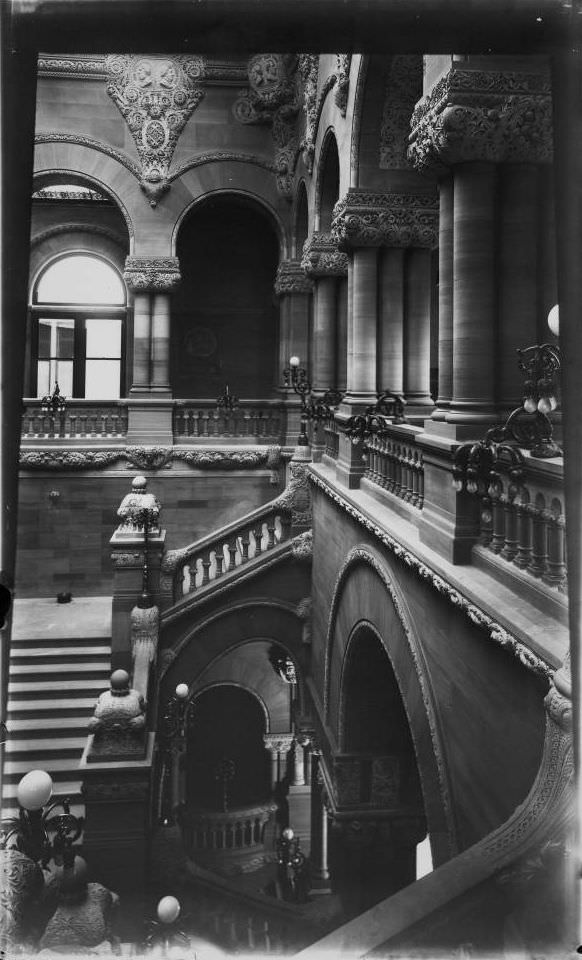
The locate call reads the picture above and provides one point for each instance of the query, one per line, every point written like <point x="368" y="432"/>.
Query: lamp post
<point x="388" y="407"/>
<point x="227" y="401"/>
<point x="224" y="772"/>
<point x="164" y="930"/>
<point x="141" y="511"/>
<point x="291" y="866"/>
<point x="36" y="822"/>
<point x="177" y="720"/>
<point x="54" y="403"/>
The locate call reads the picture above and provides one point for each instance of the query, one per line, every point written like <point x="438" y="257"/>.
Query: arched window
<point x="78" y="311"/>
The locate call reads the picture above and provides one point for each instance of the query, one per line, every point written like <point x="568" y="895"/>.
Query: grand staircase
<point x="60" y="661"/>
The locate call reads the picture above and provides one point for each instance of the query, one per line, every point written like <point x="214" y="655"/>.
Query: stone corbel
<point x="152" y="274"/>
<point x="471" y="115"/>
<point x="291" y="279"/>
<point x="363" y="219"/>
<point x="321" y="257"/>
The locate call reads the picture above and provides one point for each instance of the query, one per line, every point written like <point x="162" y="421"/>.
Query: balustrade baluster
<point x="510" y="545"/>
<point x="539" y="555"/>
<point x="206" y="564"/>
<point x="414" y="475"/>
<point x="219" y="560"/>
<point x="258" y="535"/>
<point x="556" y="567"/>
<point x="114" y="425"/>
<point x="271" y="532"/>
<point x="232" y="551"/>
<point x="523" y="557"/>
<point x="245" y="544"/>
<point x="498" y="535"/>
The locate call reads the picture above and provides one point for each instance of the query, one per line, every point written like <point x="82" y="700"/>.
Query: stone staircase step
<point x="100" y="667"/>
<point x="60" y="643"/>
<point x="56" y="688"/>
<point x="10" y="809"/>
<point x="46" y="726"/>
<point x="52" y="655"/>
<point x="38" y="708"/>
<point x="64" y="788"/>
<point x="59" y="768"/>
<point x="41" y="747"/>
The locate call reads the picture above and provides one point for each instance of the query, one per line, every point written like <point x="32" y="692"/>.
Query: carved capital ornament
<point x="321" y="257"/>
<point x="291" y="278"/>
<point x="157" y="274"/>
<point x="363" y="219"/>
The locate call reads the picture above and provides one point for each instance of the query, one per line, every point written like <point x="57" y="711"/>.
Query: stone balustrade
<point x="525" y="524"/>
<point x="207" y="560"/>
<point x="205" y="831"/>
<point x="82" y="419"/>
<point x="395" y="464"/>
<point x="331" y="433"/>
<point x="258" y="420"/>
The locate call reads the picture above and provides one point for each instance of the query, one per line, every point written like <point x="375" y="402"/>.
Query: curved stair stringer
<point x="546" y="813"/>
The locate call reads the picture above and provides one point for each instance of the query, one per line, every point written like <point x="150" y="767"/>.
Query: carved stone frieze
<point x="309" y="72"/>
<point x="89" y="67"/>
<point x="302" y="547"/>
<point x="477" y="616"/>
<point x="501" y="117"/>
<point x="152" y="273"/>
<point x="291" y="278"/>
<point x="403" y="90"/>
<point x="321" y="257"/>
<point x="296" y="496"/>
<point x="272" y="99"/>
<point x="127" y="559"/>
<point x="153" y="458"/>
<point x="344" y="62"/>
<point x="156" y="96"/>
<point x="363" y="219"/>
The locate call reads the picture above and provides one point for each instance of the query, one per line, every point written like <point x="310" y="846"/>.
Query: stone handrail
<point x="222" y="551"/>
<point x="253" y="419"/>
<point x="81" y="419"/>
<point x="525" y="525"/>
<point x="395" y="463"/>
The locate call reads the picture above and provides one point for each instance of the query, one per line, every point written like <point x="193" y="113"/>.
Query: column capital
<point x="366" y="219"/>
<point x="152" y="274"/>
<point x="321" y="257"/>
<point x="291" y="278"/>
<point x="281" y="742"/>
<point x="495" y="116"/>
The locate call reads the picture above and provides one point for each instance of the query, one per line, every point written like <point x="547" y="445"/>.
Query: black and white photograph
<point x="291" y="479"/>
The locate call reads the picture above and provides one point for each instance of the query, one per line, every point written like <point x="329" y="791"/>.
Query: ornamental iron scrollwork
<point x="388" y="409"/>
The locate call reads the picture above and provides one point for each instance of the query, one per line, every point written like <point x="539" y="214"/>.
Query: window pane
<point x="103" y="337"/>
<point x="50" y="372"/>
<point x="102" y="379"/>
<point x="80" y="279"/>
<point x="56" y="338"/>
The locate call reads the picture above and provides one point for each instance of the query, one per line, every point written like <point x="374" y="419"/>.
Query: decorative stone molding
<point x="88" y="67"/>
<point x="302" y="547"/>
<point x="153" y="458"/>
<point x="272" y="99"/>
<point x="296" y="497"/>
<point x="497" y="633"/>
<point x="94" y="229"/>
<point x="291" y="278"/>
<point x="362" y="219"/>
<point x="127" y="559"/>
<point x="344" y="62"/>
<point x="321" y="257"/>
<point x="403" y="90"/>
<point x="501" y="117"/>
<point x="156" y="96"/>
<point x="309" y="73"/>
<point x="93" y="144"/>
<point x="152" y="273"/>
<point x="220" y="156"/>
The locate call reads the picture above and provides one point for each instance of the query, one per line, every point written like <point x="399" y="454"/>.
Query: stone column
<point x="363" y="222"/>
<point x="519" y="269"/>
<point x="445" y="319"/>
<point x="391" y="320"/>
<point x="299" y="766"/>
<point x="295" y="292"/>
<point x="417" y="333"/>
<point x="150" y="411"/>
<point x="278" y="745"/>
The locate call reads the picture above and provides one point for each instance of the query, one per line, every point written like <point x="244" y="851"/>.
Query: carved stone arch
<point x="70" y="238"/>
<point x="201" y="644"/>
<point x="357" y="119"/>
<point x="327" y="154"/>
<point x="71" y="160"/>
<point x="365" y="591"/>
<point x="300" y="218"/>
<point x="237" y="179"/>
<point x="204" y="688"/>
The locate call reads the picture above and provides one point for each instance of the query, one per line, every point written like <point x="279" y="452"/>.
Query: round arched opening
<point x="225" y="312"/>
<point x="330" y="183"/>
<point x="226" y="759"/>
<point x="375" y="857"/>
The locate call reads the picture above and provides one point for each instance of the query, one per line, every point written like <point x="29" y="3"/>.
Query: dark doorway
<point x="229" y="725"/>
<point x="225" y="311"/>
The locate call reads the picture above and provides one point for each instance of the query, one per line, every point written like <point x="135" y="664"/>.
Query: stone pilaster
<point x="152" y="280"/>
<point x="295" y="291"/>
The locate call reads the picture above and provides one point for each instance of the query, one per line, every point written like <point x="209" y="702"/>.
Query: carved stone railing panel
<point x="82" y="419"/>
<point x="395" y="463"/>
<point x="212" y="833"/>
<point x="366" y="781"/>
<point x="331" y="433"/>
<point x="256" y="419"/>
<point x="525" y="525"/>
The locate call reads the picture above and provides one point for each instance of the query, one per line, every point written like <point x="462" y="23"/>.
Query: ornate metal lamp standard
<point x="227" y="401"/>
<point x="55" y="404"/>
<point x="316" y="409"/>
<point x="141" y="510"/>
<point x="224" y="773"/>
<point x="176" y="724"/>
<point x="389" y="407"/>
<point x="291" y="867"/>
<point x="37" y="831"/>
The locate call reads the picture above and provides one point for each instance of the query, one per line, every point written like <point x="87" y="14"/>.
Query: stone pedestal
<point x="149" y="420"/>
<point x="127" y="559"/>
<point x="117" y="828"/>
<point x="299" y="801"/>
<point x="450" y="520"/>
